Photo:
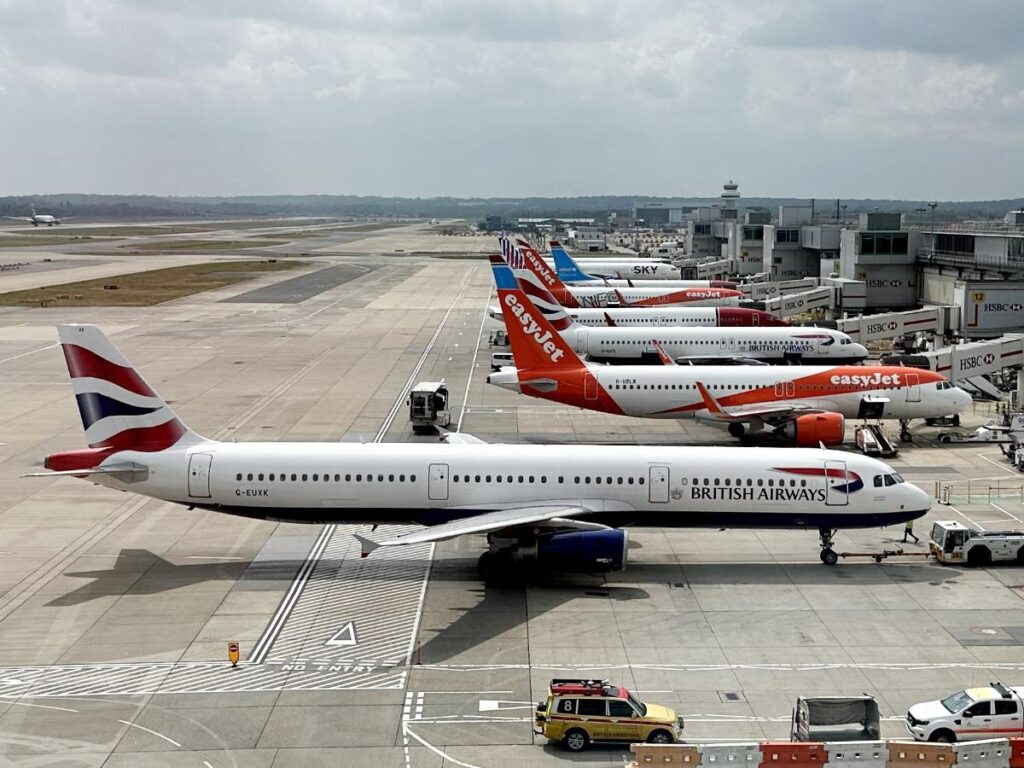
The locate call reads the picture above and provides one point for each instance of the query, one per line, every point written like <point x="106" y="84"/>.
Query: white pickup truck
<point x="994" y="711"/>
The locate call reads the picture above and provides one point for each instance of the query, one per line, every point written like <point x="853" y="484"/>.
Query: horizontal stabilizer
<point x="112" y="469"/>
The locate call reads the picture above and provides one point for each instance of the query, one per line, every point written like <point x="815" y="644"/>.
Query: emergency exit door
<point x="437" y="482"/>
<point x="199" y="475"/>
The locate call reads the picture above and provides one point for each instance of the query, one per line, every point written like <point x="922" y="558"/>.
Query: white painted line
<point x="1009" y="514"/>
<point x="41" y="706"/>
<point x="439" y="752"/>
<point x="996" y="463"/>
<point x="168" y="739"/>
<point x="419" y="607"/>
<point x="965" y="517"/>
<point x="273" y="629"/>
<point x="207" y="764"/>
<point x="472" y="363"/>
<point x="26" y="354"/>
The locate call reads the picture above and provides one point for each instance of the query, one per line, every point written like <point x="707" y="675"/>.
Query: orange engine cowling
<point x="817" y="428"/>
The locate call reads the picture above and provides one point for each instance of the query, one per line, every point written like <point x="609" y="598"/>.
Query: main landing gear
<point x="828" y="555"/>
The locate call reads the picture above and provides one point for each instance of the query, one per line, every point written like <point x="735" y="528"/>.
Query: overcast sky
<point x="916" y="99"/>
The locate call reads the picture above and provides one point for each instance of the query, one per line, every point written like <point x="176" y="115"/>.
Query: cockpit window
<point x="944" y="385"/>
<point x="898" y="477"/>
<point x="889" y="480"/>
<point x="878" y="481"/>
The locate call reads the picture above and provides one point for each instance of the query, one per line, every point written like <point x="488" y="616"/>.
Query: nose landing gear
<point x="828" y="555"/>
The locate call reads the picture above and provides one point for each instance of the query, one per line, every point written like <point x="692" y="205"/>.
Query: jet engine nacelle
<point x="584" y="551"/>
<point x="816" y="428"/>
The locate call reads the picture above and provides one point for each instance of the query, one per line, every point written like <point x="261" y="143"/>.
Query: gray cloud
<point x="507" y="98"/>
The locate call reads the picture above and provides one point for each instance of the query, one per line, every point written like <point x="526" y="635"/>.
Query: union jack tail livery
<point x="119" y="410"/>
<point x="530" y="283"/>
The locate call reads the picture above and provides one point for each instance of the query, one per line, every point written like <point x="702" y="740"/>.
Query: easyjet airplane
<point x="806" y="403"/>
<point x="534" y="272"/>
<point x="560" y="506"/>
<point x="592" y="296"/>
<point x="788" y="344"/>
<point x="624" y="275"/>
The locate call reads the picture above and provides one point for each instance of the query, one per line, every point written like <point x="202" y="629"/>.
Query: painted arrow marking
<point x="345" y="636"/>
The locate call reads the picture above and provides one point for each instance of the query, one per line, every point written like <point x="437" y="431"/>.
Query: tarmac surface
<point x="116" y="611"/>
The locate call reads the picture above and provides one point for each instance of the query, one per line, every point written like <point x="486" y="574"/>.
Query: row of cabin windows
<point x="585" y="479"/>
<point x="749" y="482"/>
<point x="695" y="342"/>
<point x="741" y="387"/>
<point x="325" y="477"/>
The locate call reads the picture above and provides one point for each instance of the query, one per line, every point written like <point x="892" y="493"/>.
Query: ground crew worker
<point x="908" y="530"/>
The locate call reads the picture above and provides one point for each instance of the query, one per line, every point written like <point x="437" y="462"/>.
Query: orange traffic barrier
<point x="795" y="754"/>
<point x="665" y="754"/>
<point x="1016" y="753"/>
<point x="917" y="754"/>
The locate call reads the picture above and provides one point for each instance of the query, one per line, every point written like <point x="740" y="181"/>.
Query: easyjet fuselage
<point x="630" y="485"/>
<point x="592" y="296"/>
<point x="669" y="392"/>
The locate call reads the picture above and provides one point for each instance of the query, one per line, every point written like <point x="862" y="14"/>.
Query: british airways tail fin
<point x="119" y="410"/>
<point x="530" y="283"/>
<point x="567" y="269"/>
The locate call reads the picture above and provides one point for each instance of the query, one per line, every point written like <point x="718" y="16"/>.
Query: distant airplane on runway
<point x="559" y="506"/>
<point x="39" y="219"/>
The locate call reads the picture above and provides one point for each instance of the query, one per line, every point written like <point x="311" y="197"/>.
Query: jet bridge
<point x="798" y="303"/>
<point x="890" y="325"/>
<point x="976" y="358"/>
<point x="761" y="291"/>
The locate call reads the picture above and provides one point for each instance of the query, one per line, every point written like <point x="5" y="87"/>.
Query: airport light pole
<point x="933" y="206"/>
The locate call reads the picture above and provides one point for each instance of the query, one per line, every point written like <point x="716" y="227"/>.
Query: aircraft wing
<point x="19" y="218"/>
<point x="483" y="523"/>
<point x="770" y="413"/>
<point x="460" y="438"/>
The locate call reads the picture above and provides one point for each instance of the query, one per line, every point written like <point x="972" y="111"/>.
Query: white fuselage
<point x="670" y="392"/>
<point x="593" y="296"/>
<point x="793" y="344"/>
<point x="430" y="484"/>
<point x="656" y="271"/>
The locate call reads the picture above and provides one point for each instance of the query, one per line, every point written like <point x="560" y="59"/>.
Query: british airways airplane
<point x="557" y="506"/>
<point x="805" y="403"/>
<point x="789" y="344"/>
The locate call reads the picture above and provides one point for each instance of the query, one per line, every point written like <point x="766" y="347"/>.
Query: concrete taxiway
<point x="115" y="611"/>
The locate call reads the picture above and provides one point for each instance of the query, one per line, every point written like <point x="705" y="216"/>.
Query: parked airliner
<point x="637" y="276"/>
<point x="534" y="272"/>
<point x="632" y="344"/>
<point x="806" y="403"/>
<point x="592" y="296"/>
<point x="560" y="506"/>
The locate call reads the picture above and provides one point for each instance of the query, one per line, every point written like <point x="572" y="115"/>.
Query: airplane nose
<point x="858" y="351"/>
<point x="963" y="400"/>
<point x="920" y="500"/>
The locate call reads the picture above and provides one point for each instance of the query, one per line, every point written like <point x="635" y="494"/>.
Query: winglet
<point x="608" y="321"/>
<point x="622" y="299"/>
<point x="368" y="545"/>
<point x="666" y="358"/>
<point x="709" y="402"/>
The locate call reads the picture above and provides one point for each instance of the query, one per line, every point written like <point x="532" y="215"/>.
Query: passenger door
<point x="657" y="485"/>
<point x="437" y="483"/>
<point x="837" y="483"/>
<point x="913" y="387"/>
<point x="199" y="475"/>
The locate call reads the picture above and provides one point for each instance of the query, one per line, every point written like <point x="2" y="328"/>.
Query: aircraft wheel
<point x="737" y="430"/>
<point x="829" y="557"/>
<point x="487" y="567"/>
